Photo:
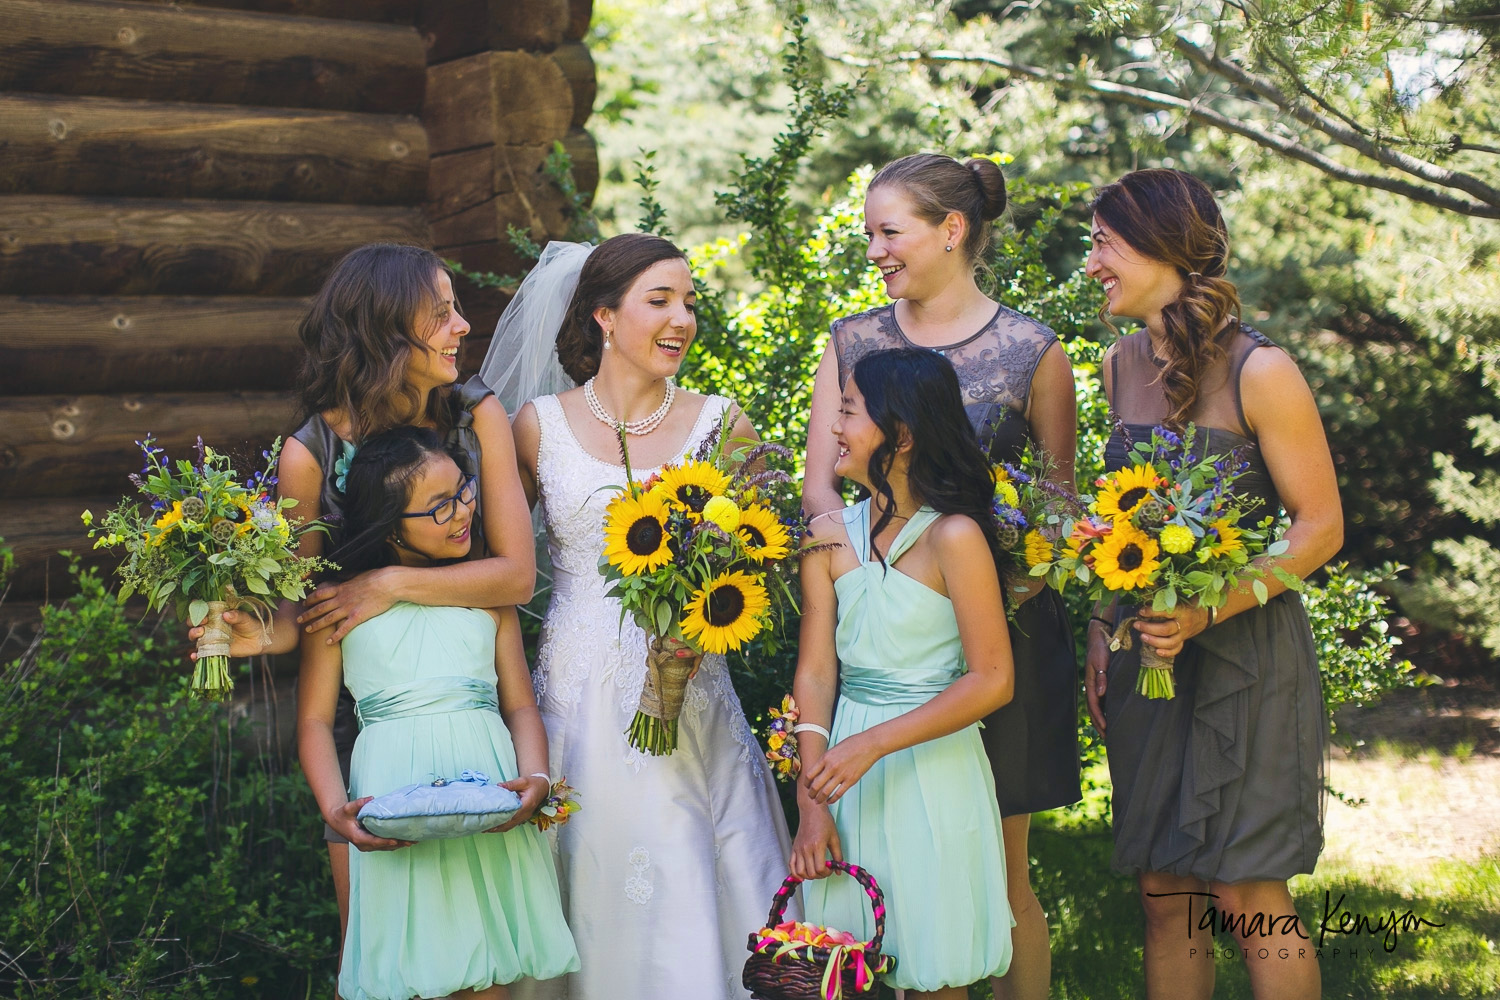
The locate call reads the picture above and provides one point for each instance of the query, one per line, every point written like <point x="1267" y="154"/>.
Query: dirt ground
<point x="1426" y="762"/>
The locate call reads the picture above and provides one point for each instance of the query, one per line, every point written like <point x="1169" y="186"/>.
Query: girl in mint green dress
<point x="904" y="624"/>
<point x="440" y="918"/>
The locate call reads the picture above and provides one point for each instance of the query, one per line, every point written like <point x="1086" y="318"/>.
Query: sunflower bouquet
<point x="698" y="557"/>
<point x="1162" y="530"/>
<point x="207" y="543"/>
<point x="1029" y="514"/>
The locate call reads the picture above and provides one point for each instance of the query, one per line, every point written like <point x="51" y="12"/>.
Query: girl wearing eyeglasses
<point x="440" y="690"/>
<point x="382" y="339"/>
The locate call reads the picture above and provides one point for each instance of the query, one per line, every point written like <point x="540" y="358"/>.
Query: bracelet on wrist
<point x="812" y="727"/>
<point x="1213" y="617"/>
<point x="1103" y="621"/>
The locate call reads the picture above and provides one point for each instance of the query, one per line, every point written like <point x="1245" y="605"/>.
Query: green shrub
<point x="144" y="852"/>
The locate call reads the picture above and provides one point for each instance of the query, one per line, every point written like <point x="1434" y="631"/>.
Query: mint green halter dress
<point x="924" y="820"/>
<point x="442" y="915"/>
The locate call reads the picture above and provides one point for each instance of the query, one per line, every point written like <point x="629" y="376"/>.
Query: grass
<point x="1097" y="926"/>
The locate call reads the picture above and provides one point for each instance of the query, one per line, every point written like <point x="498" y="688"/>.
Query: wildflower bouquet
<point x="1163" y="530"/>
<point x="207" y="543"/>
<point x="697" y="556"/>
<point x="1029" y="514"/>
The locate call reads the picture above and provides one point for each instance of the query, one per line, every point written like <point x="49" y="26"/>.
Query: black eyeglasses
<point x="447" y="510"/>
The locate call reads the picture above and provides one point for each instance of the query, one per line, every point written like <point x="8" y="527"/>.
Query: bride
<point x="672" y="861"/>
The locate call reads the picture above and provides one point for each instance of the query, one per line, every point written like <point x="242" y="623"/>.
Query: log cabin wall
<point x="177" y="178"/>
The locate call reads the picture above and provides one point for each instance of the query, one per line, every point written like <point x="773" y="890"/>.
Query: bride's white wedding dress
<point x="672" y="861"/>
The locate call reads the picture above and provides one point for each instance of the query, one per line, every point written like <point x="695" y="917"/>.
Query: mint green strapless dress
<point x="442" y="915"/>
<point x="924" y="820"/>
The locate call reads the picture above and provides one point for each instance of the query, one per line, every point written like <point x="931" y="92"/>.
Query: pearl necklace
<point x="636" y="428"/>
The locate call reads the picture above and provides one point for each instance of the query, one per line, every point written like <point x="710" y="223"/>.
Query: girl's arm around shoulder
<point x="319" y="679"/>
<point x="522" y="718"/>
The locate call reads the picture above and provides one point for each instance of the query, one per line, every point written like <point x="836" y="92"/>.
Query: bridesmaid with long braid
<point x="928" y="219"/>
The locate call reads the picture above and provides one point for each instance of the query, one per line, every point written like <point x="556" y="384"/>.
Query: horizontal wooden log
<point x="536" y="211"/>
<point x="580" y="15"/>
<point x="59" y="245"/>
<point x="496" y="99"/>
<point x="578" y="66"/>
<point x="100" y="146"/>
<point x="36" y="532"/>
<point x="58" y="446"/>
<point x="171" y="53"/>
<point x="388" y="11"/>
<point x="147" y="343"/>
<point x="452" y="29"/>
<point x="456" y="181"/>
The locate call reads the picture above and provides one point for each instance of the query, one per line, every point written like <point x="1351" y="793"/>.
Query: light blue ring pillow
<point x="440" y="810"/>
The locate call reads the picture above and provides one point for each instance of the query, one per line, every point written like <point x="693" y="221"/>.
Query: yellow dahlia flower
<point x="1005" y="492"/>
<point x="1126" y="558"/>
<point x="1038" y="549"/>
<point x="1177" y="539"/>
<point x="725" y="614"/>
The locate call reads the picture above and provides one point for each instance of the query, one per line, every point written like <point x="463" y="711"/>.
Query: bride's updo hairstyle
<point x="607" y="275"/>
<point x="362" y="330"/>
<point x="1171" y="216"/>
<point x="937" y="185"/>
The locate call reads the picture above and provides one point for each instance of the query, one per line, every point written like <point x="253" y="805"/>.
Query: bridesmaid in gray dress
<point x="928" y="220"/>
<point x="1220" y="789"/>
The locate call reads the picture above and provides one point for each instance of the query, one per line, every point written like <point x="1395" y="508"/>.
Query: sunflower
<point x="1177" y="539"/>
<point x="764" y="536"/>
<point x="1038" y="549"/>
<point x="691" y="486"/>
<point x="1125" y="491"/>
<point x="167" y="521"/>
<point x="635" y="533"/>
<point x="1126" y="557"/>
<point x="1226" y="538"/>
<point x="726" y="613"/>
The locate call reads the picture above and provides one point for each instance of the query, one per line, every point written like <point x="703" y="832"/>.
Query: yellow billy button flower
<point x="1126" y="558"/>
<point x="1038" y="549"/>
<point x="726" y="613"/>
<point x="1005" y="492"/>
<point x="723" y="512"/>
<point x="1177" y="539"/>
<point x="635" y="533"/>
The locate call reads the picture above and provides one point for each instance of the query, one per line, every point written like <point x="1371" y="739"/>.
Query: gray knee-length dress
<point x="1225" y="781"/>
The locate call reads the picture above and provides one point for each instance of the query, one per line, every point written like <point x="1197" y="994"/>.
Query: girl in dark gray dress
<point x="928" y="220"/>
<point x="1218" y="791"/>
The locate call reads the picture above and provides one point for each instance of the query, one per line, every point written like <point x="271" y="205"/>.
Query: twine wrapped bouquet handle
<point x="670" y="664"/>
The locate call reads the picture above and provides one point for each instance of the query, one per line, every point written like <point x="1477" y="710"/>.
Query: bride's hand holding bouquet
<point x="207" y="543"/>
<point x="697" y="556"/>
<point x="1165" y="535"/>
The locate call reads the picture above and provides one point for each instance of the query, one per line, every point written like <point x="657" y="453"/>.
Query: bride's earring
<point x="608" y="334"/>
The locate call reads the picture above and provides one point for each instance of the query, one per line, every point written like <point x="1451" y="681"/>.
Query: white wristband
<point x="812" y="727"/>
<point x="545" y="777"/>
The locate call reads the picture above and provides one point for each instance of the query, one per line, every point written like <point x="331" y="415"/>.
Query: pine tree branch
<point x="1484" y="208"/>
<point x="1335" y="130"/>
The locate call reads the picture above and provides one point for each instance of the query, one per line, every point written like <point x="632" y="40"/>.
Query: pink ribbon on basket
<point x="838" y="956"/>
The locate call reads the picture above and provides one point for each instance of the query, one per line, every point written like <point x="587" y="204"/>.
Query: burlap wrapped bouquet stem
<point x="1156" y="670"/>
<point x="670" y="664"/>
<point x="211" y="675"/>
